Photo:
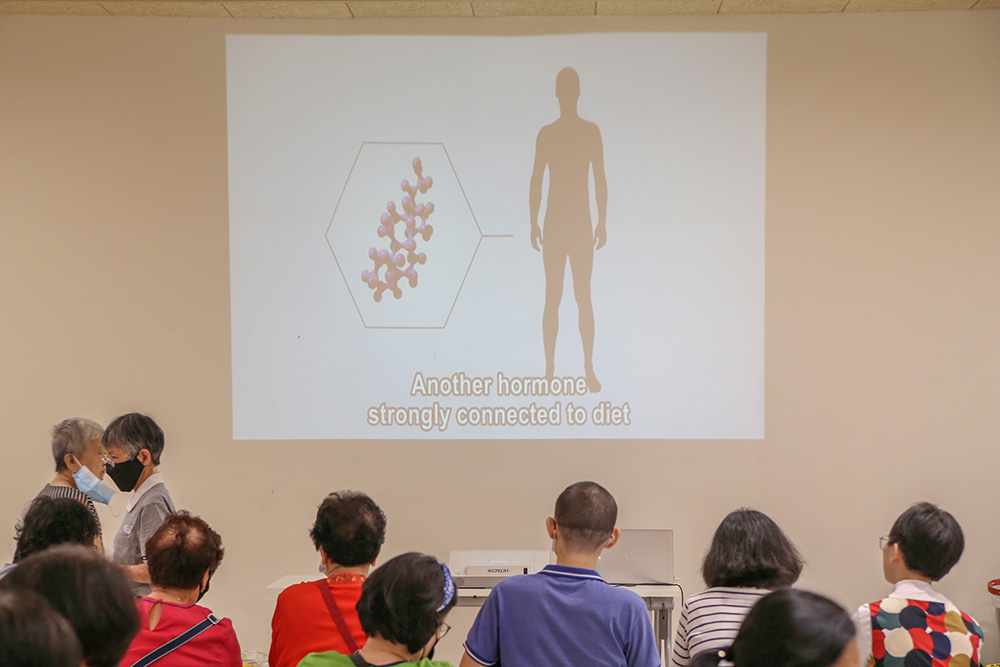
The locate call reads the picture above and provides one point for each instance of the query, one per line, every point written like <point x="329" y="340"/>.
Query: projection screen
<point x="497" y="237"/>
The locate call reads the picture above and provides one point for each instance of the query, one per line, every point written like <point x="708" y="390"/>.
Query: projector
<point x="485" y="569"/>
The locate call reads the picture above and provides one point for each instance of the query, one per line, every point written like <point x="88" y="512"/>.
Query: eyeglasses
<point x="882" y="541"/>
<point x="442" y="631"/>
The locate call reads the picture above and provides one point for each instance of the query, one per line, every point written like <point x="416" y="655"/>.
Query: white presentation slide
<point x="556" y="236"/>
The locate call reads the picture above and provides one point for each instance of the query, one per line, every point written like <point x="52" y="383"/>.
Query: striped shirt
<point x="50" y="491"/>
<point x="710" y="620"/>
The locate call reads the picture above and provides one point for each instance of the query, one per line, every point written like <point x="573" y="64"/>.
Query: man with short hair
<point x="566" y="615"/>
<point x="916" y="624"/>
<point x="319" y="616"/>
<point x="133" y="443"/>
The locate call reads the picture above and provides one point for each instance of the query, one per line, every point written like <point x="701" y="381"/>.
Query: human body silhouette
<point x="569" y="147"/>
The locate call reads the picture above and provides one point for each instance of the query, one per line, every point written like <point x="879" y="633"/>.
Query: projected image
<point x="542" y="237"/>
<point x="569" y="148"/>
<point x="402" y="239"/>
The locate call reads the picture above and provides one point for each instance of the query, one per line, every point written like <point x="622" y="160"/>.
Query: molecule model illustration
<point x="393" y="264"/>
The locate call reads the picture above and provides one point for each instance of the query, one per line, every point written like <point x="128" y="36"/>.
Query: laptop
<point x="641" y="556"/>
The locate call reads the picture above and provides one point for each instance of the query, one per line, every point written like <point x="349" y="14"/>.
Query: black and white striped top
<point x="50" y="491"/>
<point x="710" y="620"/>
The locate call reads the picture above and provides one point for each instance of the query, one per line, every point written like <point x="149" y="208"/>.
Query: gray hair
<point x="72" y="436"/>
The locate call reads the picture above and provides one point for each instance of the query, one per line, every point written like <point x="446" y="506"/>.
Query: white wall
<point x="881" y="319"/>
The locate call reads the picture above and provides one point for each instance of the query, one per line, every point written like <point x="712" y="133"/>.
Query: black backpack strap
<point x="177" y="641"/>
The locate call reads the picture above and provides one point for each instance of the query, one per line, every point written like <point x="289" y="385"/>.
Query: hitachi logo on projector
<point x="495" y="570"/>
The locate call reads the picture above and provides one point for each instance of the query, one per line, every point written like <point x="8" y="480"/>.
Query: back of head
<point x="788" y="628"/>
<point x="71" y="436"/>
<point x="350" y="528"/>
<point x="181" y="550"/>
<point x="585" y="515"/>
<point x="405" y="600"/>
<point x="33" y="634"/>
<point x="133" y="433"/>
<point x="930" y="538"/>
<point x="89" y="591"/>
<point x="52" y="521"/>
<point x="750" y="550"/>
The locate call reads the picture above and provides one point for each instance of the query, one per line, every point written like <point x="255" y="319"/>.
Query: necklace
<point x="160" y="590"/>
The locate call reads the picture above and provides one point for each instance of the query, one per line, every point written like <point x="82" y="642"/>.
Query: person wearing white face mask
<point x="76" y="448"/>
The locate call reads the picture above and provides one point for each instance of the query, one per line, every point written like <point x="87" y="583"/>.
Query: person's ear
<point x="895" y="553"/>
<point x="550" y="527"/>
<point x="145" y="458"/>
<point x="71" y="463"/>
<point x="204" y="579"/>
<point x="615" y="536"/>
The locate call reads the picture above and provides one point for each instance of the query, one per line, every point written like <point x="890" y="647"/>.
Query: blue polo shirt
<point x="562" y="616"/>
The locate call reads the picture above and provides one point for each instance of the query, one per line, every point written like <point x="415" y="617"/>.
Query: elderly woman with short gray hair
<point x="76" y="448"/>
<point x="133" y="444"/>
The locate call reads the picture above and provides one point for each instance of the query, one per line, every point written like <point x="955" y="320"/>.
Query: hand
<point x="536" y="236"/>
<point x="600" y="236"/>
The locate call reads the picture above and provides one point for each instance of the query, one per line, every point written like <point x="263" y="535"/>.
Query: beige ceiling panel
<point x="781" y="6"/>
<point x="288" y="9"/>
<point x="906" y="5"/>
<point x="656" y="7"/>
<point x="534" y="7"/>
<point x="69" y="7"/>
<point x="393" y="9"/>
<point x="195" y="9"/>
<point x="987" y="4"/>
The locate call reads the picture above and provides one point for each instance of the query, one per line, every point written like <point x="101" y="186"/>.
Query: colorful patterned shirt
<point x="917" y="631"/>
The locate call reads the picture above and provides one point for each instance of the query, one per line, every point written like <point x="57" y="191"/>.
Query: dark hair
<point x="399" y="601"/>
<point x="134" y="432"/>
<point x="349" y="527"/>
<point x="787" y="628"/>
<point x="33" y="634"/>
<point x="52" y="521"/>
<point x="930" y="538"/>
<point x="750" y="550"/>
<point x="91" y="592"/>
<point x="181" y="550"/>
<point x="586" y="514"/>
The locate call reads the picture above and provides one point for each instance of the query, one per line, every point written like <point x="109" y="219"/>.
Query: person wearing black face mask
<point x="182" y="556"/>
<point x="133" y="444"/>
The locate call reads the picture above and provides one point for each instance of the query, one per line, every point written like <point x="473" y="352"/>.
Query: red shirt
<point x="302" y="623"/>
<point x="215" y="646"/>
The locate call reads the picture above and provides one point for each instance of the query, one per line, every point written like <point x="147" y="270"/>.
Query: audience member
<point x="182" y="555"/>
<point x="89" y="591"/>
<point x="748" y="558"/>
<point x="402" y="609"/>
<point x="76" y="448"/>
<point x="133" y="444"/>
<point x="52" y="521"/>
<point x="924" y="543"/>
<point x="566" y="614"/>
<point x="318" y="616"/>
<point x="790" y="628"/>
<point x="33" y="634"/>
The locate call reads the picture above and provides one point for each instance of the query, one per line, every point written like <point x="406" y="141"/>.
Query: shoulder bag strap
<point x="177" y="641"/>
<point x="338" y="618"/>
<point x="358" y="660"/>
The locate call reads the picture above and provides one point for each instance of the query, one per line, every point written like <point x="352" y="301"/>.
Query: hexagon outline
<point x="472" y="258"/>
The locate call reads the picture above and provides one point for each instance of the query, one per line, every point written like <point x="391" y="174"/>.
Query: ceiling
<point x="346" y="9"/>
